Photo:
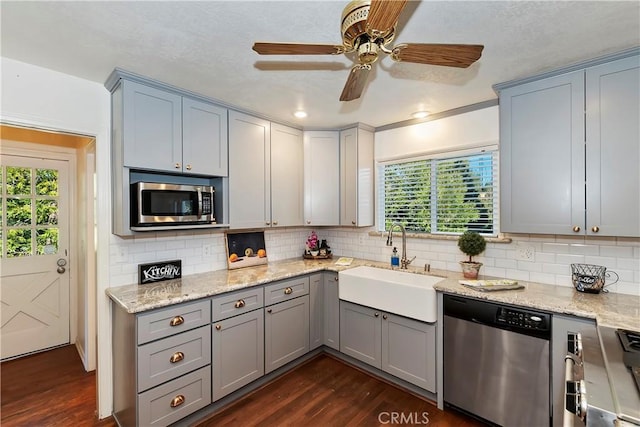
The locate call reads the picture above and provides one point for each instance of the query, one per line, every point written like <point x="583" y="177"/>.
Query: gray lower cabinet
<point x="238" y="352"/>
<point x="403" y="347"/>
<point x="286" y="323"/>
<point x="161" y="363"/>
<point x="331" y="311"/>
<point x="316" y="310"/>
<point x="237" y="339"/>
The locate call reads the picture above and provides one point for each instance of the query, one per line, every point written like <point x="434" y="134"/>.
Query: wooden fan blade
<point x="448" y="55"/>
<point x="355" y="83"/>
<point x="297" y="49"/>
<point x="383" y="15"/>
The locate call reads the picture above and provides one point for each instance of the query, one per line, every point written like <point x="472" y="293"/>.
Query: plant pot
<point x="470" y="269"/>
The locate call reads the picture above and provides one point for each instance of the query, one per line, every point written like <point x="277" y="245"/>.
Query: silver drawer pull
<point x="177" y="401"/>
<point x="178" y="320"/>
<point x="240" y="303"/>
<point x="176" y="357"/>
<point x="288" y="291"/>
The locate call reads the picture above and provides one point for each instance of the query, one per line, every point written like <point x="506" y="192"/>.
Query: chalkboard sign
<point x="245" y="249"/>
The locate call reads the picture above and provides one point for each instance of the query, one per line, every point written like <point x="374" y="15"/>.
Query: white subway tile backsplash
<point x="553" y="254"/>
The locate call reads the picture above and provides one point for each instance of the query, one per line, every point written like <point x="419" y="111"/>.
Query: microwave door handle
<point x="199" y="203"/>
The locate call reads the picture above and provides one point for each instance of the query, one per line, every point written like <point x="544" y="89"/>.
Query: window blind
<point x="441" y="195"/>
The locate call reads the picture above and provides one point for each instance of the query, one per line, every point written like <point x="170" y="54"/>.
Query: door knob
<point x="61" y="263"/>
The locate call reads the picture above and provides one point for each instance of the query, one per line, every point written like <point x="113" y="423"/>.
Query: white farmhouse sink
<point x="406" y="294"/>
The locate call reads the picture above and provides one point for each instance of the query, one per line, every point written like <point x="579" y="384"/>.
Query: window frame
<point x="492" y="149"/>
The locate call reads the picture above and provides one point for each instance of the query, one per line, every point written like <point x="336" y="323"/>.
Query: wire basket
<point x="590" y="278"/>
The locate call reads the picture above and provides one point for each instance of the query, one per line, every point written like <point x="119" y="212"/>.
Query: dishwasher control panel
<point x="521" y="319"/>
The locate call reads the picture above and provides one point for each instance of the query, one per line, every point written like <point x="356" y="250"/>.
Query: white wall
<point x="38" y="97"/>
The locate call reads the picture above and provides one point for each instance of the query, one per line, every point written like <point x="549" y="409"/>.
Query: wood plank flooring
<point x="328" y="392"/>
<point x="49" y="389"/>
<point x="52" y="389"/>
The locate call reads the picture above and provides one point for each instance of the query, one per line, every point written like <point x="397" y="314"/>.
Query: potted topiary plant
<point x="471" y="243"/>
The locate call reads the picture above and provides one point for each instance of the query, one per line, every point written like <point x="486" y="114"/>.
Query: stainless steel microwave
<point x="154" y="204"/>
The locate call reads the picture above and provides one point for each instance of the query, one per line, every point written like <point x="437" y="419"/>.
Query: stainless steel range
<point x="603" y="377"/>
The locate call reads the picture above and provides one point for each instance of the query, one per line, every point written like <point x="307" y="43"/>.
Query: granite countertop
<point x="609" y="309"/>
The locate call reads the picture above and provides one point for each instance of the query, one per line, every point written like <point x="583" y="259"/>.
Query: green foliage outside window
<point x="440" y="195"/>
<point x="29" y="200"/>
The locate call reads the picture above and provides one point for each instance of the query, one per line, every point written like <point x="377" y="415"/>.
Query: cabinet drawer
<point x="285" y="290"/>
<point x="161" y="406"/>
<point x="173" y="320"/>
<point x="229" y="305"/>
<point x="166" y="359"/>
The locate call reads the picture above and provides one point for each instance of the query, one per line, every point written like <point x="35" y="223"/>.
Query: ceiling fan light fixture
<point x="300" y="114"/>
<point x="420" y="114"/>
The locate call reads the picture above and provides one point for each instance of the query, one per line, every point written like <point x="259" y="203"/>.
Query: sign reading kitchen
<point x="159" y="271"/>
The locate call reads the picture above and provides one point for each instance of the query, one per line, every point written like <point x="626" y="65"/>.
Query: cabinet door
<point x="238" y="352"/>
<point x="249" y="171"/>
<point x="542" y="156"/>
<point x="287" y="176"/>
<point x="560" y="327"/>
<point x="286" y="331"/>
<point x="613" y="148"/>
<point x="361" y="333"/>
<point x="316" y="312"/>
<point x="321" y="178"/>
<point x="331" y="309"/>
<point x="204" y="138"/>
<point x="152" y="130"/>
<point x="409" y="350"/>
<point x="356" y="177"/>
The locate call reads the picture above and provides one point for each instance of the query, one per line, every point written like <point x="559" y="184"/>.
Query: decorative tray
<point x="327" y="256"/>
<point x="491" y="285"/>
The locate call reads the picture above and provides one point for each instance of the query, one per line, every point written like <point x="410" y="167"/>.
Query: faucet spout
<point x="404" y="262"/>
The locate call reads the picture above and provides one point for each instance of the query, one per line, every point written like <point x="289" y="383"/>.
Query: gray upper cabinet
<point x="321" y="178"/>
<point x="287" y="177"/>
<point x="249" y="171"/>
<point x="541" y="155"/>
<point x="561" y="145"/>
<point x="164" y="131"/>
<point x="356" y="178"/>
<point x="613" y="148"/>
<point x="204" y="138"/>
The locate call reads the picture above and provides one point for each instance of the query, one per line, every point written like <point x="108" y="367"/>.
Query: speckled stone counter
<point x="609" y="309"/>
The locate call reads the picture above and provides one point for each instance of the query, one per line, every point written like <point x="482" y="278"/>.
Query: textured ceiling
<point x="205" y="47"/>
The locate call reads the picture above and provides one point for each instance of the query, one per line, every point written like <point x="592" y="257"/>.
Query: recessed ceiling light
<point x="300" y="114"/>
<point x="420" y="114"/>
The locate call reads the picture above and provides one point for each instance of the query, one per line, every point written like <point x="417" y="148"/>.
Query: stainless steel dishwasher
<point x="496" y="362"/>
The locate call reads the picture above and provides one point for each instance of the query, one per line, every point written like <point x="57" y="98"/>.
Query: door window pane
<point x="19" y="243"/>
<point x="18" y="181"/>
<point x="46" y="212"/>
<point x="47" y="241"/>
<point x="47" y="182"/>
<point x="18" y="212"/>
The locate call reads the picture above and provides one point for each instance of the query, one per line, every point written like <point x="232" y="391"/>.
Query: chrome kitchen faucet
<point x="404" y="262"/>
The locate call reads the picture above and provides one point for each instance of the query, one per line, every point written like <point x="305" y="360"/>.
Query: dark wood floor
<point x="328" y="392"/>
<point x="52" y="389"/>
<point x="49" y="389"/>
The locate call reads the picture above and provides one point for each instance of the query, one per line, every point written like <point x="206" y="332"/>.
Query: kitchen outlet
<point x="525" y="253"/>
<point x="207" y="250"/>
<point x="361" y="241"/>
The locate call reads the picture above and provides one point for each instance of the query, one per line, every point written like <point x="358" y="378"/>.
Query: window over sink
<point x="445" y="193"/>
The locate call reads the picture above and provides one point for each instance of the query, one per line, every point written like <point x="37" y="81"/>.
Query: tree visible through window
<point x="29" y="211"/>
<point x="447" y="195"/>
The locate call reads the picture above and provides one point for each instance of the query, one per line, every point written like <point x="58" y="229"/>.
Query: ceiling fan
<point x="368" y="27"/>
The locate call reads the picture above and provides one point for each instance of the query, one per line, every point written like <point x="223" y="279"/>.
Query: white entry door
<point x="34" y="270"/>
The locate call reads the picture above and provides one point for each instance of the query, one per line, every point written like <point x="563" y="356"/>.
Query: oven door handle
<point x="574" y="393"/>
